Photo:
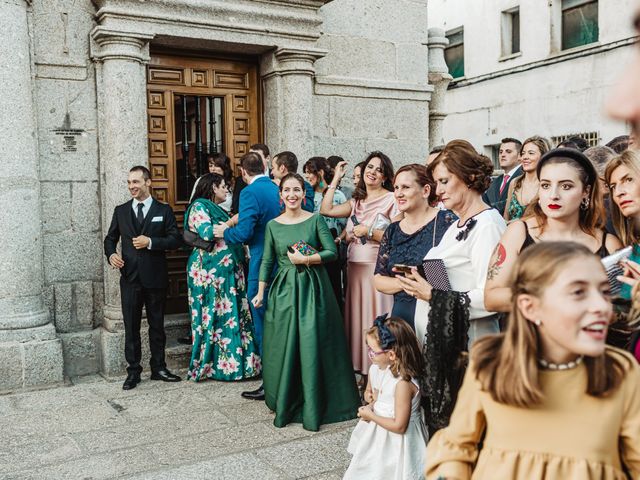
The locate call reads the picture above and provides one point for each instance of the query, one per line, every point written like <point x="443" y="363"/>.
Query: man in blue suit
<point x="287" y="162"/>
<point x="259" y="203"/>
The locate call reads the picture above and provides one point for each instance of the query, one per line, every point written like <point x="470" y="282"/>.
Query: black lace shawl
<point x="445" y="356"/>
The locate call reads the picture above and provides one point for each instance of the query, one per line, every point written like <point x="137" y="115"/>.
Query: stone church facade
<point x="91" y="88"/>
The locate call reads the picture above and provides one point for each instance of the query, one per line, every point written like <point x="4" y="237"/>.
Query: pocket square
<point x="156" y="219"/>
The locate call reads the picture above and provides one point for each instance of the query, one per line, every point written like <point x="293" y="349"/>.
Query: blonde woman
<point x="547" y="398"/>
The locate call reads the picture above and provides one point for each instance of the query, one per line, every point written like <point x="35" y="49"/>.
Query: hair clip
<point x="386" y="337"/>
<point x="463" y="234"/>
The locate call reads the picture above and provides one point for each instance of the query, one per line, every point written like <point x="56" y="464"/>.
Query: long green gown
<point x="307" y="370"/>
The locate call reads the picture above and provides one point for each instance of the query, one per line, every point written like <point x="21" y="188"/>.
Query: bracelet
<point x="331" y="186"/>
<point x="308" y="260"/>
<point x="370" y="232"/>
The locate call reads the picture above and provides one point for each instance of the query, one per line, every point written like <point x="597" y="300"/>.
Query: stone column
<point x="289" y="100"/>
<point x="122" y="122"/>
<point x="30" y="352"/>
<point x="440" y="78"/>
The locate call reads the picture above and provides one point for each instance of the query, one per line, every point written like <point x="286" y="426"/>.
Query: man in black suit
<point x="509" y="158"/>
<point x="146" y="228"/>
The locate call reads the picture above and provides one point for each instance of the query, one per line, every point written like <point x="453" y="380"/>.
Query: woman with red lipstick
<point x="569" y="207"/>
<point x="524" y="189"/>
<point x="372" y="201"/>
<point x="547" y="398"/>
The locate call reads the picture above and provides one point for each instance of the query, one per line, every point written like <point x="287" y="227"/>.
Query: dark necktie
<point x="140" y="214"/>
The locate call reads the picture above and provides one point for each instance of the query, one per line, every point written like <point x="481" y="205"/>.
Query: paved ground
<point x="93" y="429"/>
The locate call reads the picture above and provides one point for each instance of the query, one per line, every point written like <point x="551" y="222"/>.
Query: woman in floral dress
<point x="222" y="329"/>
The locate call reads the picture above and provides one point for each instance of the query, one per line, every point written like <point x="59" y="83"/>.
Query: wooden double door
<point x="196" y="106"/>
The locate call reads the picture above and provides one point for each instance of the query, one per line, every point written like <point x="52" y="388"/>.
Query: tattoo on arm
<point x="499" y="256"/>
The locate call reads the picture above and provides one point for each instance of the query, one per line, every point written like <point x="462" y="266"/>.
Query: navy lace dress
<point x="398" y="247"/>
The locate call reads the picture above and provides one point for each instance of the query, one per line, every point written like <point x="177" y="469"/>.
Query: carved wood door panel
<point x="196" y="106"/>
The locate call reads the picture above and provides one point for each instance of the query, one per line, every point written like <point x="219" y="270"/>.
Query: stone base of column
<point x="30" y="358"/>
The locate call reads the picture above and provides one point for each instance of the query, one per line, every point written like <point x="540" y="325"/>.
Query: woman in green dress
<point x="308" y="375"/>
<point x="221" y="326"/>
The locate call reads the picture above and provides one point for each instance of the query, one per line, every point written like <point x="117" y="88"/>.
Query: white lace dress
<point x="379" y="453"/>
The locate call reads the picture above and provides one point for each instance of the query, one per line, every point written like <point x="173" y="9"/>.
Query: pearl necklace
<point x="560" y="366"/>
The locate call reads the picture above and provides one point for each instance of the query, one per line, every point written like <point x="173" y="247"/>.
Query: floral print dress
<point x="222" y="329"/>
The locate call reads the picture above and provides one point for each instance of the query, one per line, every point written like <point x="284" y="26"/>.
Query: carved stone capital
<point x="110" y="44"/>
<point x="297" y="61"/>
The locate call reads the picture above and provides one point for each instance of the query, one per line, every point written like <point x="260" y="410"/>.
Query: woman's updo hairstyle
<point x="422" y="177"/>
<point x="461" y="159"/>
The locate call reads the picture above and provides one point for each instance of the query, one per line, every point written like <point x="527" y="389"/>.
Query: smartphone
<point x="290" y="249"/>
<point x="402" y="268"/>
<point x="355" y="221"/>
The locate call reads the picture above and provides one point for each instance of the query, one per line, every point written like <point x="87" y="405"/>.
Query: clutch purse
<point x="304" y="248"/>
<point x="436" y="274"/>
<point x="380" y="222"/>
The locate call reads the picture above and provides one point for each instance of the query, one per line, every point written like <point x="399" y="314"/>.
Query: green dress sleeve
<point x="329" y="250"/>
<point x="200" y="221"/>
<point x="268" y="255"/>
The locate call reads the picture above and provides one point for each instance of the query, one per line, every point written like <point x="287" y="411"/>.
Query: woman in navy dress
<point x="407" y="241"/>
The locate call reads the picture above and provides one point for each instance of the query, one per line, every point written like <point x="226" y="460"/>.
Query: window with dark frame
<point x="579" y="23"/>
<point x="454" y="53"/>
<point x="511" y="32"/>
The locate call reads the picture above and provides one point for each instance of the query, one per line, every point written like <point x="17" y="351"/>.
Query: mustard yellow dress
<point x="570" y="436"/>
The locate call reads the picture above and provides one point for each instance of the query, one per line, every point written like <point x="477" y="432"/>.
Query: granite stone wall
<point x="339" y="77"/>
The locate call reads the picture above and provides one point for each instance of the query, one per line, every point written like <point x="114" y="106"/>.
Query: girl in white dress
<point x="389" y="441"/>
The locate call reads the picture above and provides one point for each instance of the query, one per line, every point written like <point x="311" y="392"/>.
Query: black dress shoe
<point x="165" y="375"/>
<point x="254" y="394"/>
<point x="186" y="340"/>
<point x="131" y="382"/>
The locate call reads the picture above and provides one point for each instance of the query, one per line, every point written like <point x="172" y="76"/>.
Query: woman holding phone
<point x="372" y="200"/>
<point x="307" y="373"/>
<point x="406" y="242"/>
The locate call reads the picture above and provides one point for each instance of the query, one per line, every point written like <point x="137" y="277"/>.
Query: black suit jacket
<point x="493" y="196"/>
<point x="238" y="186"/>
<point x="148" y="266"/>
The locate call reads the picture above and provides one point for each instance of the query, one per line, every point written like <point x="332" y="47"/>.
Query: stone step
<point x="177" y="355"/>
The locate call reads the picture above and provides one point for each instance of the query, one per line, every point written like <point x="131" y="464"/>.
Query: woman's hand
<point x="297" y="258"/>
<point x="341" y="170"/>
<point x="416" y="286"/>
<point x="366" y="412"/>
<point x="257" y="300"/>
<point x="631" y="273"/>
<point x="361" y="230"/>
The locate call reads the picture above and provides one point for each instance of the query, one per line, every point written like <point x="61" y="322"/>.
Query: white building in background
<point x="525" y="67"/>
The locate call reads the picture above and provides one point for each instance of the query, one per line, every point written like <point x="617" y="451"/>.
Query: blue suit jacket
<point x="309" y="195"/>
<point x="259" y="203"/>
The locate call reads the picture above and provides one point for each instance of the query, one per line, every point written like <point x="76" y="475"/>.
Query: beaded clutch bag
<point x="304" y="248"/>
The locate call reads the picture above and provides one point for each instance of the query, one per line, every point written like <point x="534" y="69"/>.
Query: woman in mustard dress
<point x="547" y="398"/>
<point x="308" y="376"/>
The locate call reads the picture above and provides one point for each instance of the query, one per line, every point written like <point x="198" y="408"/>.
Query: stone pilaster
<point x="122" y="122"/>
<point x="289" y="90"/>
<point x="30" y="352"/>
<point x="440" y="78"/>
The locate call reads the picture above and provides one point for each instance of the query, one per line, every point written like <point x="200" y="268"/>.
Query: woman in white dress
<point x="461" y="176"/>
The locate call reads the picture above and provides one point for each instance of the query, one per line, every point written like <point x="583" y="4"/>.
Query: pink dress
<point x="363" y="303"/>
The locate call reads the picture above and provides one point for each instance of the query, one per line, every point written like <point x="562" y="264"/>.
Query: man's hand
<point x="141" y="242"/>
<point x="218" y="230"/>
<point x="116" y="261"/>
